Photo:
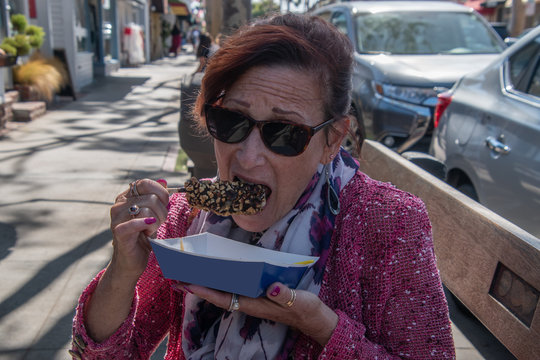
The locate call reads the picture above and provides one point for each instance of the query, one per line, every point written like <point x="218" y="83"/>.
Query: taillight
<point x="443" y="100"/>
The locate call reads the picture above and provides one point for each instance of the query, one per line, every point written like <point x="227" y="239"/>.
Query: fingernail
<point x="168" y="206"/>
<point x="188" y="289"/>
<point x="162" y="182"/>
<point x="275" y="292"/>
<point x="150" y="220"/>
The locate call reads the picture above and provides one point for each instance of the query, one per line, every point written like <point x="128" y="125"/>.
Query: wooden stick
<point x="175" y="190"/>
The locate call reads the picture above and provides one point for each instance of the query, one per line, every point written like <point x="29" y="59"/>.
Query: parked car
<point x="488" y="134"/>
<point x="406" y="53"/>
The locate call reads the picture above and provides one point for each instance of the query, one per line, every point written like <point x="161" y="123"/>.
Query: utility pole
<point x="517" y="18"/>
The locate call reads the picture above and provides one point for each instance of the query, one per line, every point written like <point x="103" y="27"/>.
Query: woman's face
<point x="266" y="93"/>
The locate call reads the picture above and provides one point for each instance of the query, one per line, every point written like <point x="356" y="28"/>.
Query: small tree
<point x="26" y="37"/>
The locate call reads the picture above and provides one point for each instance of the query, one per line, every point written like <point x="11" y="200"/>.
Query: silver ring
<point x="134" y="210"/>
<point x="133" y="189"/>
<point x="293" y="298"/>
<point x="235" y="305"/>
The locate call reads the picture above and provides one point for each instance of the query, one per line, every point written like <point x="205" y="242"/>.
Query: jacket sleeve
<point x="141" y="332"/>
<point x="149" y="319"/>
<point x="386" y="287"/>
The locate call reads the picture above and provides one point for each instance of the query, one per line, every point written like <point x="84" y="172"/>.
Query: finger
<point x="218" y="298"/>
<point x="149" y="212"/>
<point x="281" y="294"/>
<point x="148" y="205"/>
<point x="163" y="182"/>
<point x="134" y="226"/>
<point x="147" y="186"/>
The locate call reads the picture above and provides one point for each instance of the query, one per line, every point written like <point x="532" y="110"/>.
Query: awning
<point x="178" y="8"/>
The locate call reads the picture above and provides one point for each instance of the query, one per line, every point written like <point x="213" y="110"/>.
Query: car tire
<point x="427" y="162"/>
<point x="469" y="190"/>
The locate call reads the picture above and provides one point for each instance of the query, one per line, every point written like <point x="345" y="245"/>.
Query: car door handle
<point x="497" y="146"/>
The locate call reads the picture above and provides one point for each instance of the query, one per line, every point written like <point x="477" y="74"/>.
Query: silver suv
<point x="406" y="53"/>
<point x="488" y="134"/>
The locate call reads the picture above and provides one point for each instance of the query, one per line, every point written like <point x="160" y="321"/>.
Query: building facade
<point x="93" y="37"/>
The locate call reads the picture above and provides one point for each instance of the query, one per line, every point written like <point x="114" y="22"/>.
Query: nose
<point x="251" y="152"/>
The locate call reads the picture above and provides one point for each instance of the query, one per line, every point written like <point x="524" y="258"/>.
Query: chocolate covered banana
<point x="225" y="197"/>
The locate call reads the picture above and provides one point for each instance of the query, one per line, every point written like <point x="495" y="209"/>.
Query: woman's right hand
<point x="130" y="232"/>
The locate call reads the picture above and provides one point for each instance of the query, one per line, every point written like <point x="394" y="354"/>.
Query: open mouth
<point x="267" y="189"/>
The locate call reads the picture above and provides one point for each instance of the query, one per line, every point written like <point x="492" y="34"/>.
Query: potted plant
<point x="25" y="38"/>
<point x="39" y="78"/>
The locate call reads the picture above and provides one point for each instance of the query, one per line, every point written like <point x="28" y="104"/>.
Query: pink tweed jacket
<point x="381" y="279"/>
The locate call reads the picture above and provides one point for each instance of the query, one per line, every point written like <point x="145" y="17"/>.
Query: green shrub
<point x="19" y="23"/>
<point x="35" y="35"/>
<point x="25" y="37"/>
<point x="9" y="47"/>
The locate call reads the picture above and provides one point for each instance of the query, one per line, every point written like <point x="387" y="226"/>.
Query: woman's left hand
<point x="307" y="313"/>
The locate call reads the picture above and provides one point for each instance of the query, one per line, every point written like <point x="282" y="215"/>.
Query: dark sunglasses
<point x="280" y="136"/>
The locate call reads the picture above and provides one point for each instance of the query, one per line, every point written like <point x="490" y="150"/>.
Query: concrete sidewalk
<point x="60" y="174"/>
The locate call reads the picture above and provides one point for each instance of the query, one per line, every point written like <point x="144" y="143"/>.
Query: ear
<point x="335" y="137"/>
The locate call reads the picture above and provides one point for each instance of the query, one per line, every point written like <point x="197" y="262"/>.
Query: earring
<point x="331" y="195"/>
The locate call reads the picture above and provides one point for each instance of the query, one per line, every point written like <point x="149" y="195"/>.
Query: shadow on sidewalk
<point x="51" y="271"/>
<point x="479" y="336"/>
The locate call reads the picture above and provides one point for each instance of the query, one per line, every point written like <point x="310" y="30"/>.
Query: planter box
<point x="8" y="60"/>
<point x="6" y="109"/>
<point x="28" y="111"/>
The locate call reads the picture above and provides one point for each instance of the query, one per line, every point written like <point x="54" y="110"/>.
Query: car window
<point x="524" y="66"/>
<point x="425" y="33"/>
<point x="340" y="21"/>
<point x="535" y="83"/>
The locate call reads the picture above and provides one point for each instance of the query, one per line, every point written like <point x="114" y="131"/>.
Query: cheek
<point x="293" y="178"/>
<point x="223" y="154"/>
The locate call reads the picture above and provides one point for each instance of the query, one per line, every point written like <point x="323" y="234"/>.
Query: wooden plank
<point x="471" y="244"/>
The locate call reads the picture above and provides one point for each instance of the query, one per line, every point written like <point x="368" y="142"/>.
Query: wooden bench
<point x="491" y="265"/>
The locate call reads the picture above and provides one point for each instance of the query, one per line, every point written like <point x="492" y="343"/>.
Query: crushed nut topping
<point x="226" y="197"/>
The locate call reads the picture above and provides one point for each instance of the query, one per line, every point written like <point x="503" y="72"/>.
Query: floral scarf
<point x="210" y="332"/>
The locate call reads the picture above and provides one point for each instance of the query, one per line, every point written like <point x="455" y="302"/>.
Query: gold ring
<point x="293" y="298"/>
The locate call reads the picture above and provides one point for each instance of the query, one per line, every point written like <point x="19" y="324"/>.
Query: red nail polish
<point x="275" y="292"/>
<point x="150" y="220"/>
<point x="188" y="289"/>
<point x="162" y="182"/>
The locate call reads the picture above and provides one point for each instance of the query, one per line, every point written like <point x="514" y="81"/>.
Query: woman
<point x="375" y="291"/>
<point x="176" y="38"/>
<point x="205" y="49"/>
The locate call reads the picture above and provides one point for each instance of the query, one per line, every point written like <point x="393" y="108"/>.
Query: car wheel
<point x="354" y="138"/>
<point x="468" y="189"/>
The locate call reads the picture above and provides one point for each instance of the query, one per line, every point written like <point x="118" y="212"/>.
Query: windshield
<point x="424" y="33"/>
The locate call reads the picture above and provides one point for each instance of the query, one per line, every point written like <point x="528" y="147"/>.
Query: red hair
<point x="299" y="41"/>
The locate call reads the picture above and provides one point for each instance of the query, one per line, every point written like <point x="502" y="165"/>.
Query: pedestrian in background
<point x="375" y="291"/>
<point x="204" y="51"/>
<point x="176" y="43"/>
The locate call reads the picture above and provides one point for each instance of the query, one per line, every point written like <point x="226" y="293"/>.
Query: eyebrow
<point x="274" y="109"/>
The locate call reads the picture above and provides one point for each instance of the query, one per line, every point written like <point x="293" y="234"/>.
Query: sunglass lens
<point x="227" y="126"/>
<point x="285" y="139"/>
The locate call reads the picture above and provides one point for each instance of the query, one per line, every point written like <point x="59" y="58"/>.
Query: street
<point x="60" y="174"/>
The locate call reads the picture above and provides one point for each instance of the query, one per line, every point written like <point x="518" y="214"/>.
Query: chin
<point x="253" y="223"/>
